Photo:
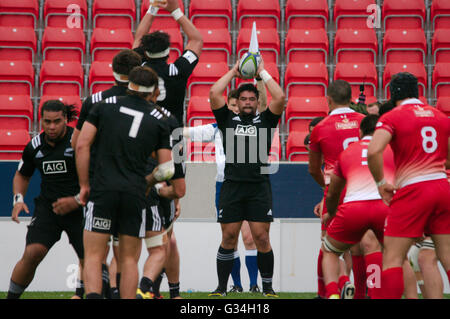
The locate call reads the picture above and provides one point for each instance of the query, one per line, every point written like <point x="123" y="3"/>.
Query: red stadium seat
<point x="266" y="13"/>
<point x="296" y="150"/>
<point x="307" y="14"/>
<point x="306" y="79"/>
<point x="216" y="45"/>
<point x="275" y="148"/>
<point x="353" y="45"/>
<point x="404" y="14"/>
<point x="441" y="46"/>
<point x="418" y="69"/>
<point x="106" y="43"/>
<point x="357" y="74"/>
<point x="353" y="14"/>
<point x="199" y="111"/>
<point x="61" y="78"/>
<point x="440" y="14"/>
<point x="23" y="13"/>
<point x="201" y="152"/>
<point x="63" y="44"/>
<point x="268" y="40"/>
<point x="163" y="20"/>
<point x="114" y="14"/>
<point x="204" y="76"/>
<point x="301" y="110"/>
<point x="306" y="45"/>
<point x="211" y="14"/>
<point x="16" y="78"/>
<point x="17" y="43"/>
<point x="408" y="45"/>
<point x="441" y="79"/>
<point x="12" y="143"/>
<point x="100" y="76"/>
<point x="66" y="13"/>
<point x="16" y="112"/>
<point x="443" y="104"/>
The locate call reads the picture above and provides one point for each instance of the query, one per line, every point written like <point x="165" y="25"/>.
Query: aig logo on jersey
<point x="54" y="167"/>
<point x="102" y="223"/>
<point x="245" y="130"/>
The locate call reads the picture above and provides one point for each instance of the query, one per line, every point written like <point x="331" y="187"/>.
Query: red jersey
<point x="352" y="166"/>
<point x="334" y="134"/>
<point x="419" y="141"/>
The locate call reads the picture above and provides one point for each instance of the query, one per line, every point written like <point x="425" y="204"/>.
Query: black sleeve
<point x="164" y="137"/>
<point x="85" y="108"/>
<point x="94" y="114"/>
<point x="270" y="118"/>
<point x="221" y="116"/>
<point x="180" y="170"/>
<point x="186" y="63"/>
<point x="26" y="165"/>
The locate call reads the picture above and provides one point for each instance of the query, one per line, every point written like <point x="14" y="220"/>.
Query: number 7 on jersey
<point x="137" y="119"/>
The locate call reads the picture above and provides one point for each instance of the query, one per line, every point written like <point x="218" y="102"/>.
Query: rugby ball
<point x="248" y="65"/>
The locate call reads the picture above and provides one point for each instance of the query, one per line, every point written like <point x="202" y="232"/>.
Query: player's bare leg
<point x="442" y="244"/>
<point x="409" y="281"/>
<point x="94" y="254"/>
<point x="433" y="286"/>
<point x="25" y="268"/>
<point x="129" y="251"/>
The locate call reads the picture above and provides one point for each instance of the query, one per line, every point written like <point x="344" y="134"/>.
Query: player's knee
<point x="427" y="258"/>
<point x="328" y="247"/>
<point x="33" y="255"/>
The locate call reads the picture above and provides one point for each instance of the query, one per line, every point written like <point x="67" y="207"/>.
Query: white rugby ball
<point x="248" y="65"/>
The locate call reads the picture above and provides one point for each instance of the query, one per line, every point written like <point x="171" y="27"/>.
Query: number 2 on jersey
<point x="429" y="135"/>
<point x="137" y="119"/>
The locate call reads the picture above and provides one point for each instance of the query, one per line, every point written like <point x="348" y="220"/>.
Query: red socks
<point x="359" y="276"/>
<point x="391" y="284"/>
<point x="374" y="267"/>
<point x="320" y="283"/>
<point x="342" y="280"/>
<point x="332" y="289"/>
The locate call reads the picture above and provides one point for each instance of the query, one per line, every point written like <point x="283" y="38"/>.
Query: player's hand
<point x="16" y="211"/>
<point x="326" y="218"/>
<point x="235" y="70"/>
<point x="318" y="209"/>
<point x="260" y="67"/>
<point x="84" y="194"/>
<point x="170" y="5"/>
<point x="177" y="211"/>
<point x="386" y="192"/>
<point x="65" y="205"/>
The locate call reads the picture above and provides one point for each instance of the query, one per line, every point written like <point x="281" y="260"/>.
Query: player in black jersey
<point x="246" y="192"/>
<point x="154" y="48"/>
<point x="122" y="64"/>
<point x="57" y="208"/>
<point x="161" y="214"/>
<point x="127" y="133"/>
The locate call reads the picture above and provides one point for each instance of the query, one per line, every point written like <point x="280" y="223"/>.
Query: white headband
<point x="121" y="77"/>
<point x="138" y="88"/>
<point x="158" y="55"/>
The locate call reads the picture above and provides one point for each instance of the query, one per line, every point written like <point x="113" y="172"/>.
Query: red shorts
<point x="420" y="208"/>
<point x="324" y="210"/>
<point x="353" y="219"/>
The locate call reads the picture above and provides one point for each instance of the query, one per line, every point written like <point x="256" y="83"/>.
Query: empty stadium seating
<point x="301" y="110"/>
<point x="268" y="40"/>
<point x="63" y="44"/>
<point x="440" y="14"/>
<point x="12" y="143"/>
<point x="352" y="14"/>
<point x="163" y="20"/>
<point x="306" y="79"/>
<point x="306" y="45"/>
<point x="404" y="45"/>
<point x="100" y="76"/>
<point x="266" y="13"/>
<point x="441" y="46"/>
<point x="418" y="69"/>
<point x="61" y="78"/>
<point x="204" y="75"/>
<point x="217" y="45"/>
<point x="16" y="78"/>
<point x="296" y="150"/>
<point x="66" y="13"/>
<point x="357" y="74"/>
<point x="106" y="43"/>
<point x="307" y="14"/>
<point x="356" y="45"/>
<point x="404" y="14"/>
<point x="114" y="14"/>
<point x="16" y="112"/>
<point x="441" y="79"/>
<point x="443" y="104"/>
<point x="17" y="42"/>
<point x="199" y="111"/>
<point x="19" y="13"/>
<point x="211" y="14"/>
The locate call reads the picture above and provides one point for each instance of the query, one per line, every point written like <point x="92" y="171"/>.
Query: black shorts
<point x="167" y="206"/>
<point x="159" y="217"/>
<point x="46" y="227"/>
<point x="113" y="212"/>
<point x="245" y="201"/>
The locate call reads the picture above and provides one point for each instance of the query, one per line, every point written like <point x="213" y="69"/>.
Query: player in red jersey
<point x="420" y="198"/>
<point x="362" y="208"/>
<point x="328" y="139"/>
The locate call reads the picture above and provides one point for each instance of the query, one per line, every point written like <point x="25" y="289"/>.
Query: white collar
<point x="342" y="110"/>
<point x="411" y="101"/>
<point x="367" y="138"/>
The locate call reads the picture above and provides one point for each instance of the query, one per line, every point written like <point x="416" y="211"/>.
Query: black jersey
<point x="173" y="79"/>
<point x="128" y="132"/>
<point x="251" y="138"/>
<point x="97" y="98"/>
<point x="56" y="164"/>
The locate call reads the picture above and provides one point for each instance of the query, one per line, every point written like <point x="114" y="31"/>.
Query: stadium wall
<point x="295" y="234"/>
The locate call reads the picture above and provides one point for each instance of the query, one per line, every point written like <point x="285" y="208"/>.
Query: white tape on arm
<point x="152" y="10"/>
<point x="165" y="171"/>
<point x="18" y="198"/>
<point x="177" y="14"/>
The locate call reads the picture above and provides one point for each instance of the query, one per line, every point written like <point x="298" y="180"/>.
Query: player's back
<point x="419" y="141"/>
<point x="334" y="134"/>
<point x="353" y="167"/>
<point x="128" y="132"/>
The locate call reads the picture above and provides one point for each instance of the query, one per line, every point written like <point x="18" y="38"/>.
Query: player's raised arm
<point x="216" y="98"/>
<point x="262" y="101"/>
<point x="195" y="39"/>
<point x="147" y="21"/>
<point x="278" y="97"/>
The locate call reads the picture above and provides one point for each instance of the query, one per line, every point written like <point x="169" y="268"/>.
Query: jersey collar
<point x="412" y="101"/>
<point x="367" y="138"/>
<point x="341" y="110"/>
